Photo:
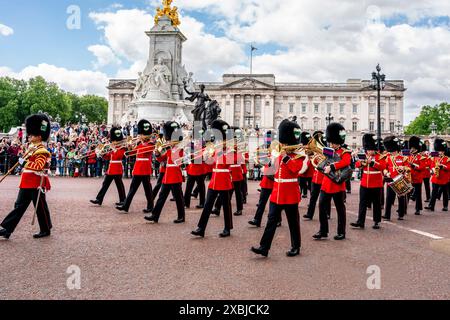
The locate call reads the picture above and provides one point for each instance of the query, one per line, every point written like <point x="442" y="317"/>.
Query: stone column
<point x="111" y="109"/>
<point x="253" y="109"/>
<point x="242" y="120"/>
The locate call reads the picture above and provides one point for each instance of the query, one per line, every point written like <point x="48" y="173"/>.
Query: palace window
<point x="316" y="125"/>
<point x="355" y="109"/>
<point x="392" y="127"/>
<point x="258" y="104"/>
<point x="329" y="107"/>
<point x="355" y="126"/>
<point x="342" y="108"/>
<point x="316" y="108"/>
<point x="372" y="126"/>
<point x="291" y="108"/>
<point x="382" y="109"/>
<point x="372" y="108"/>
<point x="392" y="108"/>
<point x="304" y="107"/>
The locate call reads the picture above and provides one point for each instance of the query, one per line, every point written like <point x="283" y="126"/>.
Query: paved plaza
<point x="123" y="257"/>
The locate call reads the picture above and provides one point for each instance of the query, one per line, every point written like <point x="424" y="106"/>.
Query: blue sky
<point x="298" y="40"/>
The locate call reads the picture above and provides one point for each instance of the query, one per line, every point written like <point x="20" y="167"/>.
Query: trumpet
<point x="277" y="150"/>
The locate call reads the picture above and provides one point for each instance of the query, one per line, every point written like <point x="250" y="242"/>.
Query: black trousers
<point x="107" y="183"/>
<point x="325" y="211"/>
<point x="225" y="199"/>
<point x="293" y="218"/>
<point x="191" y="181"/>
<point x="348" y="185"/>
<point x="135" y="183"/>
<point x="264" y="197"/>
<point x="305" y="185"/>
<point x="370" y="196"/>
<point x="244" y="188"/>
<point x="24" y="198"/>
<point x="418" y="196"/>
<point x="177" y="193"/>
<point x="426" y="183"/>
<point x="437" y="189"/>
<point x="390" y="200"/>
<point x="158" y="185"/>
<point x="315" y="193"/>
<point x="239" y="198"/>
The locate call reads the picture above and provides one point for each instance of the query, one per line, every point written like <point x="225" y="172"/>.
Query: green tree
<point x="439" y="115"/>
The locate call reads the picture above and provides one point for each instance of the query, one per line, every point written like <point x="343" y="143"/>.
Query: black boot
<point x="445" y="209"/>
<point x="357" y="225"/>
<point x="200" y="207"/>
<point x="417" y="213"/>
<point x="147" y="211"/>
<point x="306" y="217"/>
<point x="5" y="234"/>
<point x="260" y="251"/>
<point x="429" y="208"/>
<point x="122" y="208"/>
<point x="376" y="226"/>
<point x="41" y="235"/>
<point x="225" y="234"/>
<point x="293" y="252"/>
<point x="151" y="218"/>
<point x="238" y="213"/>
<point x="255" y="223"/>
<point x="320" y="235"/>
<point x="215" y="212"/>
<point x="339" y="237"/>
<point x="96" y="202"/>
<point x="178" y="221"/>
<point x="119" y="204"/>
<point x="199" y="233"/>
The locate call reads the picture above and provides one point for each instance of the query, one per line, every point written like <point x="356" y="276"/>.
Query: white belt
<point x="38" y="173"/>
<point x="142" y="159"/>
<point x="115" y="161"/>
<point x="286" y="180"/>
<point x="171" y="166"/>
<point x="372" y="172"/>
<point x="221" y="170"/>
<point x="235" y="166"/>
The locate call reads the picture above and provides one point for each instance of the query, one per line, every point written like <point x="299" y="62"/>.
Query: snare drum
<point x="401" y="185"/>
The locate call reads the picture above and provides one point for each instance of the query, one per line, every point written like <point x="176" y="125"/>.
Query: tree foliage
<point x="19" y="99"/>
<point x="439" y="115"/>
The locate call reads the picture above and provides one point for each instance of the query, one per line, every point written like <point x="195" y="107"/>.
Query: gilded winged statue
<point x="168" y="11"/>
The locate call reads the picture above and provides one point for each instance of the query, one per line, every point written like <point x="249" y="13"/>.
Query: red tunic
<point x="221" y="175"/>
<point x="92" y="159"/>
<point x="285" y="189"/>
<point x="317" y="177"/>
<point x="399" y="161"/>
<point x="309" y="173"/>
<point x="444" y="173"/>
<point x="115" y="163"/>
<point x="372" y="175"/>
<point x="34" y="171"/>
<point x="143" y="165"/>
<point x="328" y="185"/>
<point x="173" y="174"/>
<point x="236" y="167"/>
<point x="418" y="166"/>
<point x="267" y="183"/>
<point x="426" y="173"/>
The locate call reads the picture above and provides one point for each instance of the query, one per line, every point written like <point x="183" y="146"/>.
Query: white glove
<point x="22" y="161"/>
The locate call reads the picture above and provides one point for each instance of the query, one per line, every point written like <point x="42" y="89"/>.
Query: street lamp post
<point x="433" y="129"/>
<point x="399" y="127"/>
<point x="329" y="118"/>
<point x="378" y="84"/>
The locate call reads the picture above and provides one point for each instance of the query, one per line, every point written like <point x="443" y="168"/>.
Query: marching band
<point x="295" y="165"/>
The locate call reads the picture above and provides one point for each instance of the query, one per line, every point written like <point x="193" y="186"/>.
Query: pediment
<point x="126" y="84"/>
<point x="248" y="83"/>
<point x="389" y="86"/>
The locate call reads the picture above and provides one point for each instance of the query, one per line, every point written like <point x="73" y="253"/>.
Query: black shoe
<point x="293" y="252"/>
<point x="320" y="235"/>
<point x="215" y="212"/>
<point x="200" y="207"/>
<point x="147" y="211"/>
<point x="417" y="213"/>
<point x="376" y="226"/>
<point x="151" y="218"/>
<point x="41" y="235"/>
<point x="400" y="219"/>
<point x="445" y="209"/>
<point x="5" y="234"/>
<point x="178" y="221"/>
<point x="195" y="196"/>
<point x="225" y="234"/>
<point x="386" y="218"/>
<point x="96" y="202"/>
<point x="119" y="204"/>
<point x="357" y="225"/>
<point x="255" y="223"/>
<point x="429" y="208"/>
<point x="122" y="208"/>
<point x="199" y="233"/>
<point x="260" y="251"/>
<point x="238" y="213"/>
<point x="304" y="196"/>
<point x="339" y="237"/>
<point x="172" y="200"/>
<point x="279" y="225"/>
<point x="427" y="201"/>
<point x="307" y="217"/>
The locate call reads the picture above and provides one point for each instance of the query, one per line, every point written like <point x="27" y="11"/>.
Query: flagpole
<point x="251" y="59"/>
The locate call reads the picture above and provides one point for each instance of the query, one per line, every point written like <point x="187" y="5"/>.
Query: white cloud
<point x="104" y="55"/>
<point x="5" y="30"/>
<point x="77" y="81"/>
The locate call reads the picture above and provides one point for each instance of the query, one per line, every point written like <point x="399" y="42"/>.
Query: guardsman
<point x="286" y="192"/>
<point x="316" y="181"/>
<point x="244" y="184"/>
<point x="220" y="184"/>
<point x="371" y="189"/>
<point x="237" y="175"/>
<point x="162" y="171"/>
<point x="426" y="172"/>
<point x="195" y="175"/>
<point x="396" y="164"/>
<point x="115" y="169"/>
<point x="34" y="181"/>
<point x="306" y="178"/>
<point x="173" y="178"/>
<point x="418" y="166"/>
<point x="266" y="184"/>
<point x="441" y="169"/>
<point x="142" y="170"/>
<point x="335" y="134"/>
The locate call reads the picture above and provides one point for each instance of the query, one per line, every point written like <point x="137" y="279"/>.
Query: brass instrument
<point x="437" y="170"/>
<point x="26" y="156"/>
<point x="277" y="150"/>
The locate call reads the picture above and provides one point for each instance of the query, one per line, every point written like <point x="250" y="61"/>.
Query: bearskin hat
<point x="336" y="133"/>
<point x="289" y="133"/>
<point x="172" y="131"/>
<point x="306" y="138"/>
<point x="380" y="143"/>
<point x="222" y="126"/>
<point x="424" y="147"/>
<point x="38" y="125"/>
<point x="145" y="128"/>
<point x="414" y="142"/>
<point x="392" y="144"/>
<point x="440" y="145"/>
<point x="369" y="142"/>
<point x="404" y="144"/>
<point x="116" y="134"/>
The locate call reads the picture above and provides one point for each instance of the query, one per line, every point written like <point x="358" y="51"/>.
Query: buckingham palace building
<point x="258" y="101"/>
